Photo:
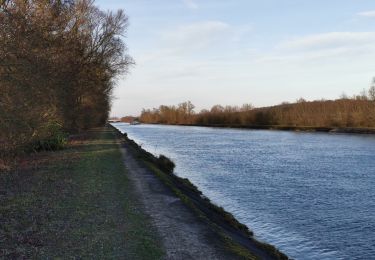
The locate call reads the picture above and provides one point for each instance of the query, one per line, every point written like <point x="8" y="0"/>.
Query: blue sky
<point x="244" y="51"/>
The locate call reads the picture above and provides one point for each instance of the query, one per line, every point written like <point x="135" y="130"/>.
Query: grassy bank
<point x="75" y="203"/>
<point x="346" y="130"/>
<point x="234" y="235"/>
<point x="337" y="130"/>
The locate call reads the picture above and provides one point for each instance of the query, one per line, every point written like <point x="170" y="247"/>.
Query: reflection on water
<point x="310" y="194"/>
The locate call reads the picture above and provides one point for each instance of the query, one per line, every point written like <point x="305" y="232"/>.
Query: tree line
<point x="59" y="60"/>
<point x="357" y="111"/>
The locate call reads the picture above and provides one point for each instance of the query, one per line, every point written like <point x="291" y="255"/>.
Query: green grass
<point x="75" y="203"/>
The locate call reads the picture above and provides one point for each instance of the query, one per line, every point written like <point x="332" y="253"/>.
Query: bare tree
<point x="371" y="91"/>
<point x="59" y="61"/>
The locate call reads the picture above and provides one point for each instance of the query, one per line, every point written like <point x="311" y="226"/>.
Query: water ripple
<point x="310" y="194"/>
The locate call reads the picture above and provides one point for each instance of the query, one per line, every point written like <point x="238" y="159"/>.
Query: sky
<point x="262" y="52"/>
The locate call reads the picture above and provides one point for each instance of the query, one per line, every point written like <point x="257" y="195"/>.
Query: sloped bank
<point x="224" y="223"/>
<point x="323" y="129"/>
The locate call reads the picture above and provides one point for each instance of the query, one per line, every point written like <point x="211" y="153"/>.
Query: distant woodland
<point x="357" y="111"/>
<point x="58" y="65"/>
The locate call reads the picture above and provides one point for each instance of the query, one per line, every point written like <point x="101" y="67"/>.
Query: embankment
<point x="326" y="129"/>
<point x="224" y="224"/>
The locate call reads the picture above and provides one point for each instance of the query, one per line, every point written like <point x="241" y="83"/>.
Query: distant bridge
<point x="114" y="121"/>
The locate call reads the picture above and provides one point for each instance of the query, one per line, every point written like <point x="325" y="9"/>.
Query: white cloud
<point x="367" y="13"/>
<point x="331" y="40"/>
<point x="197" y="36"/>
<point x="182" y="42"/>
<point x="321" y="51"/>
<point x="191" y="4"/>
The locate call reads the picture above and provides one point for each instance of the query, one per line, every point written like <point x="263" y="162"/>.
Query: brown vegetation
<point x="128" y="119"/>
<point x="358" y="111"/>
<point x="181" y="114"/>
<point x="58" y="63"/>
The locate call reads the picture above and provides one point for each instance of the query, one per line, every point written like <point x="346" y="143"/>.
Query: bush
<point x="165" y="164"/>
<point x="51" y="138"/>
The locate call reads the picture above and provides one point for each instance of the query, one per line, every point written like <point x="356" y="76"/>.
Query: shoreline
<point x="323" y="129"/>
<point x="220" y="220"/>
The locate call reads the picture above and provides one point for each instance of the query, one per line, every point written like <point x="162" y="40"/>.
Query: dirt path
<point x="183" y="234"/>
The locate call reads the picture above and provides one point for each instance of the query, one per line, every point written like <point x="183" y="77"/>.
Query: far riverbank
<point x="324" y="129"/>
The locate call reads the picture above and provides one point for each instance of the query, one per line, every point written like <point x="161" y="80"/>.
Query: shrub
<point x="51" y="137"/>
<point x="165" y="164"/>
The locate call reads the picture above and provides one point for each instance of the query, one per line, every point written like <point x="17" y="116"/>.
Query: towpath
<point x="183" y="234"/>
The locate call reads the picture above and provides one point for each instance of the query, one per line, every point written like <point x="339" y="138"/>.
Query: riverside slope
<point x="184" y="234"/>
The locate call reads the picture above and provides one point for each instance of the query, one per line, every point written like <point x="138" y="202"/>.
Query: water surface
<point x="311" y="195"/>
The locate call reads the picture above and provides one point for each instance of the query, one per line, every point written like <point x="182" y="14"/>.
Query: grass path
<point x="76" y="203"/>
